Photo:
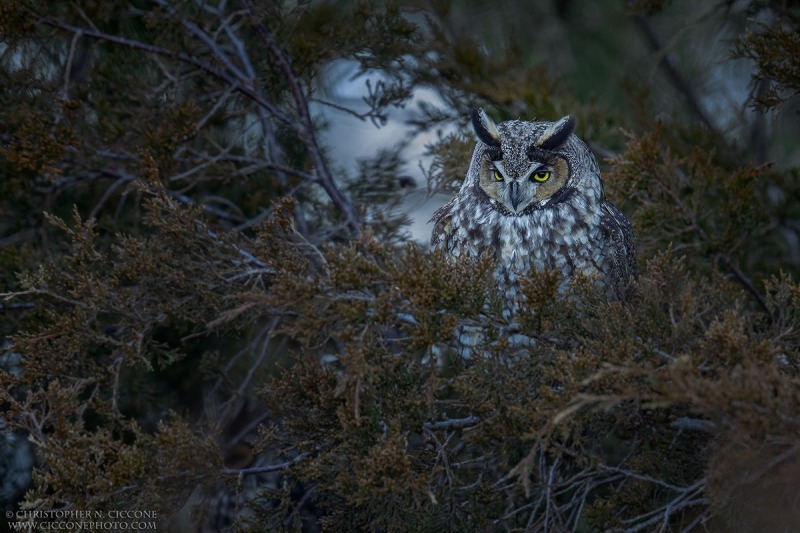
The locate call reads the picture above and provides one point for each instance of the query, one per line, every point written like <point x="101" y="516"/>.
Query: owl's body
<point x="533" y="198"/>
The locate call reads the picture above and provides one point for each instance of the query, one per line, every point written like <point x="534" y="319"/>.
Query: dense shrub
<point x="200" y="306"/>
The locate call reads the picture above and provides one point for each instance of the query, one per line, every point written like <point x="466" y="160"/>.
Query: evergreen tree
<point x="206" y="317"/>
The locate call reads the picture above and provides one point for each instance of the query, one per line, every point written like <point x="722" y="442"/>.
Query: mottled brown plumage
<point x="533" y="198"/>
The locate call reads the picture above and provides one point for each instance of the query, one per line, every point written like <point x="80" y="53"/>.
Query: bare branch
<point x="453" y="423"/>
<point x="276" y="467"/>
<point x="747" y="283"/>
<point x="648" y="479"/>
<point x="264" y="469"/>
<point x="306" y="132"/>
<point x="672" y="72"/>
<point x="184" y="57"/>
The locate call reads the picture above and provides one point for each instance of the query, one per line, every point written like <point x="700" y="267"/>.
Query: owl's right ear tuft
<point x="485" y="128"/>
<point x="556" y="134"/>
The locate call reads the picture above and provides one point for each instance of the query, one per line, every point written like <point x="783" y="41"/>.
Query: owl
<point x="533" y="198"/>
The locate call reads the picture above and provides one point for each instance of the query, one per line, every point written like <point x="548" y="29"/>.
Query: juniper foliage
<point x="198" y="298"/>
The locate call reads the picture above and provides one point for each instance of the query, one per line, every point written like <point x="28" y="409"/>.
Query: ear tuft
<point x="485" y="128"/>
<point x="556" y="134"/>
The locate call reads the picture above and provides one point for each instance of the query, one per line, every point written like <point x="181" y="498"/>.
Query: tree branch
<point x="264" y="469"/>
<point x="304" y="128"/>
<point x="273" y="468"/>
<point x="237" y="84"/>
<point x="452" y="423"/>
<point x="747" y="283"/>
<point x="307" y="131"/>
<point x="672" y="72"/>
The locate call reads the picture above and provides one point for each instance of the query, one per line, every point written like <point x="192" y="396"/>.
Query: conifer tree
<point x="204" y="315"/>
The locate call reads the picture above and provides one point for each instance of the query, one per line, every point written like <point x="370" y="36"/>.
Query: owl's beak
<point x="514" y="194"/>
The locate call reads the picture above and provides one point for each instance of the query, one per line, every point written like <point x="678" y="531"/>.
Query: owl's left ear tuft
<point x="556" y="134"/>
<point x="485" y="128"/>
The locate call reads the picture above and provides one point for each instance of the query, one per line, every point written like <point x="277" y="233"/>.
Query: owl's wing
<point x="442" y="228"/>
<point x="619" y="236"/>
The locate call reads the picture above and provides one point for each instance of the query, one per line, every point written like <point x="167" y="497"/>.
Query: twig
<point x="685" y="423"/>
<point x="360" y="116"/>
<point x="250" y="426"/>
<point x="254" y="164"/>
<point x="41" y="292"/>
<point x="184" y="57"/>
<point x="548" y="492"/>
<point x="271" y="149"/>
<point x="672" y="72"/>
<point x="213" y="46"/>
<point x="663" y="514"/>
<point x="264" y="469"/>
<point x="261" y="357"/>
<point x="116" y="365"/>
<point x="669" y="510"/>
<point x="126" y="177"/>
<point x="630" y="474"/>
<point x="452" y="423"/>
<point x="219" y="103"/>
<point x="275" y="467"/>
<point x="306" y="132"/>
<point x="745" y="281"/>
<point x="106" y="195"/>
<point x="68" y="67"/>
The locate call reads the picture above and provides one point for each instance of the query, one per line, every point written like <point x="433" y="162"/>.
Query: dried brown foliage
<point x="200" y="312"/>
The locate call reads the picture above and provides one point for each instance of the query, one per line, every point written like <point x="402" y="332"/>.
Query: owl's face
<point x="516" y="187"/>
<point x="522" y="165"/>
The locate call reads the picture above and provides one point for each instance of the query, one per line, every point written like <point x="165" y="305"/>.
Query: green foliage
<point x="703" y="203"/>
<point x="774" y="48"/>
<point x="207" y="311"/>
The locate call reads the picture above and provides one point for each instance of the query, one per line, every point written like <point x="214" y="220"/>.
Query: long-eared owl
<point x="533" y="198"/>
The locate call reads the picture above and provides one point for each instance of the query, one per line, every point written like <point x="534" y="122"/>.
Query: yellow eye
<point x="497" y="175"/>
<point x="541" y="176"/>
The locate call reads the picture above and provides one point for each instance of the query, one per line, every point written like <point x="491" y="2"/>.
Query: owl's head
<point x="523" y="166"/>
